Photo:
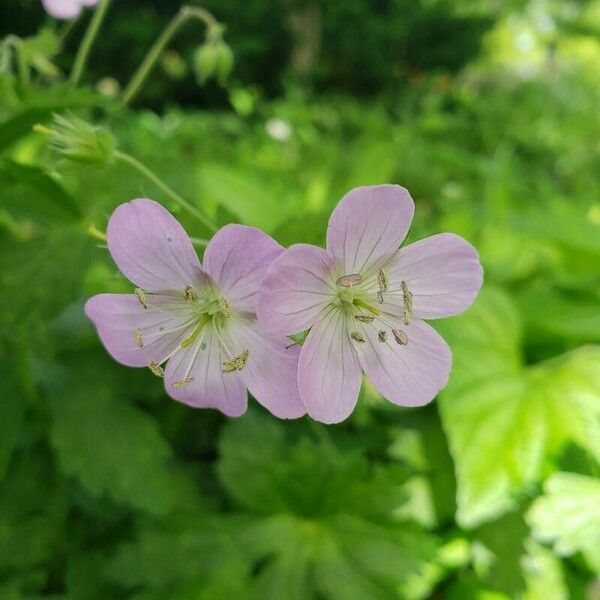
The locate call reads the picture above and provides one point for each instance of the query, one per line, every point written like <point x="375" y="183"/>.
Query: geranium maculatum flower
<point x="197" y="318"/>
<point x="364" y="301"/>
<point x="66" y="9"/>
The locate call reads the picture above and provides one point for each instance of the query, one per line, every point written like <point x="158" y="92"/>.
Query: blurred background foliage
<point x="488" y="112"/>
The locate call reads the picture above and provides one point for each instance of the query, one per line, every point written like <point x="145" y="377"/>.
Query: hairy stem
<point x="88" y="41"/>
<point x="171" y="194"/>
<point x="185" y="14"/>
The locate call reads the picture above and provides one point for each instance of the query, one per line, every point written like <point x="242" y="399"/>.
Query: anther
<point x="139" y="341"/>
<point x="141" y="296"/>
<point x="225" y="307"/>
<point x="380" y="297"/>
<point x="357" y="337"/>
<point x="407" y="301"/>
<point x="400" y="337"/>
<point x="156" y="369"/>
<point x="190" y="293"/>
<point x="237" y="363"/>
<point x="350" y="280"/>
<point x="364" y="318"/>
<point x="183" y="383"/>
<point x="382" y="335"/>
<point x="382" y="280"/>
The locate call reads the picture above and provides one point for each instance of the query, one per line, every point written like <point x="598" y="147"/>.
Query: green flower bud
<point x="214" y="58"/>
<point x="224" y="63"/>
<point x="206" y="60"/>
<point x="79" y="141"/>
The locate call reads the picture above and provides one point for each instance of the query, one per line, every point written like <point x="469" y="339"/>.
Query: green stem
<point x="185" y="14"/>
<point x="88" y="41"/>
<point x="174" y="196"/>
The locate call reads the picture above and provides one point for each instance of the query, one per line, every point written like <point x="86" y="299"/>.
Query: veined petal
<point x="194" y="376"/>
<point x="368" y="225"/>
<point x="237" y="259"/>
<point x="271" y="369"/>
<point x="62" y="9"/>
<point x="151" y="248"/>
<point x="329" y="374"/>
<point x="410" y="373"/>
<point x="442" y="272"/>
<point x="133" y="335"/>
<point x="298" y="286"/>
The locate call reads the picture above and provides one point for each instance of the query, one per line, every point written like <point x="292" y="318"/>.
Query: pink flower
<point x="199" y="318"/>
<point x="66" y="9"/>
<point x="364" y="301"/>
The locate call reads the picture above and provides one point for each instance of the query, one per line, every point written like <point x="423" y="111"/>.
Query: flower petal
<point x="408" y="375"/>
<point x="329" y="374"/>
<point x="151" y="247"/>
<point x="368" y="225"/>
<point x="271" y="370"/>
<point x="209" y="386"/>
<point x="237" y="259"/>
<point x="62" y="9"/>
<point x="442" y="272"/>
<point x="297" y="287"/>
<point x="117" y="317"/>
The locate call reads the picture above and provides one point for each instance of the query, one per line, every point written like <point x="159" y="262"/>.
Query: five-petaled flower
<point x="66" y="9"/>
<point x="364" y="301"/>
<point x="198" y="318"/>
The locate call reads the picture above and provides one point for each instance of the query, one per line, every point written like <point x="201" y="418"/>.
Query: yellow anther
<point x="382" y="280"/>
<point x="350" y="280"/>
<point x="357" y="337"/>
<point x="380" y="297"/>
<point x="139" y="341"/>
<point x="156" y="369"/>
<point x="183" y="383"/>
<point x="190" y="293"/>
<point x="141" y="296"/>
<point x="382" y="335"/>
<point x="364" y="318"/>
<point x="237" y="363"/>
<point x="225" y="307"/>
<point x="400" y="337"/>
<point x="407" y="302"/>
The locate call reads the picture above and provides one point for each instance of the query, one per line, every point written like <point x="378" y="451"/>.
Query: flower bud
<point x="205" y="62"/>
<point x="214" y="58"/>
<point x="79" y="141"/>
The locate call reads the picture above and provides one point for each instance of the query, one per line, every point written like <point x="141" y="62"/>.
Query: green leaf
<point x="111" y="447"/>
<point x="504" y="419"/>
<point x="568" y="516"/>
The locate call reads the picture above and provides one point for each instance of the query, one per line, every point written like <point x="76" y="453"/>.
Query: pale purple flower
<point x="364" y="301"/>
<point x="199" y="319"/>
<point x="66" y="9"/>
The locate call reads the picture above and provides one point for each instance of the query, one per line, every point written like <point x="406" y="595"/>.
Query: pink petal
<point x="271" y="370"/>
<point x="118" y="316"/>
<point x="368" y="225"/>
<point x="151" y="248"/>
<point x="210" y="387"/>
<point x="297" y="287"/>
<point x="408" y="375"/>
<point x="89" y="2"/>
<point x="62" y="9"/>
<point x="329" y="374"/>
<point x="442" y="272"/>
<point x="237" y="259"/>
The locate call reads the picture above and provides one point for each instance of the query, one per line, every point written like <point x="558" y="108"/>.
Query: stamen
<point x="357" y="337"/>
<point x="190" y="293"/>
<point x="380" y="297"/>
<point x="407" y="301"/>
<point x="350" y="280"/>
<point x="141" y="296"/>
<point x="382" y="280"/>
<point x="192" y="338"/>
<point x="183" y="383"/>
<point x="400" y="337"/>
<point x="382" y="336"/>
<point x="225" y="307"/>
<point x="237" y="363"/>
<point x="139" y="341"/>
<point x="156" y="369"/>
<point x="366" y="306"/>
<point x="364" y="318"/>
